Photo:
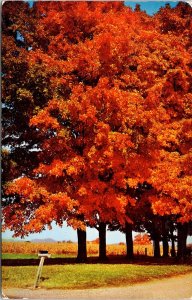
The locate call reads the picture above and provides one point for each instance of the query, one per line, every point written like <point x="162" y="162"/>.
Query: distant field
<point x="65" y="248"/>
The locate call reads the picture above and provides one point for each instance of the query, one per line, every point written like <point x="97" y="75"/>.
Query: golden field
<point x="69" y="248"/>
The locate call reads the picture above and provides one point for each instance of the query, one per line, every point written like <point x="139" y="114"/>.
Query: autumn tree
<point x="142" y="239"/>
<point x="103" y="94"/>
<point x="76" y="131"/>
<point x="173" y="188"/>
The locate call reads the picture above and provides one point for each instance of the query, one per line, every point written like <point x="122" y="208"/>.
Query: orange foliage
<point x="142" y="239"/>
<point x="109" y="92"/>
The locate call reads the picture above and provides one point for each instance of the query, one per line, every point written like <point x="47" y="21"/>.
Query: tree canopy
<point x="97" y="104"/>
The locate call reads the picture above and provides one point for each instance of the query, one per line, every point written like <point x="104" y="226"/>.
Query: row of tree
<point x="97" y="115"/>
<point x="161" y="229"/>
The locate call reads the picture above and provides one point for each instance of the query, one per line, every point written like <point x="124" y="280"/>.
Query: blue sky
<point x="67" y="233"/>
<point x="150" y="7"/>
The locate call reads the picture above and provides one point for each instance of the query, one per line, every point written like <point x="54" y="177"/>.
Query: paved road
<point x="179" y="287"/>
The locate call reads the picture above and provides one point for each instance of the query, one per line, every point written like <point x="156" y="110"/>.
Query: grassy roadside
<point x="82" y="276"/>
<point x="32" y="256"/>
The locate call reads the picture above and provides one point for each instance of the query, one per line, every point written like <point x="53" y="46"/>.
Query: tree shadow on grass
<point x="139" y="260"/>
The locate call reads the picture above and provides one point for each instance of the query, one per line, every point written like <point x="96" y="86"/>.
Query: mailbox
<point x="42" y="255"/>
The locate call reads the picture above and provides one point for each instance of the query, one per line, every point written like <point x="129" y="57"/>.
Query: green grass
<point x="35" y="256"/>
<point x="17" y="256"/>
<point x="81" y="276"/>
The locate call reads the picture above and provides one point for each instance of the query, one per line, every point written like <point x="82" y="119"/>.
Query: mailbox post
<point x="42" y="254"/>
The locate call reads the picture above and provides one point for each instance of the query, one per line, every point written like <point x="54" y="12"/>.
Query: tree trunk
<point x="173" y="252"/>
<point x="165" y="247"/>
<point x="156" y="247"/>
<point x="129" y="240"/>
<point x="102" y="241"/>
<point x="82" y="247"/>
<point x="182" y="240"/>
<point x="165" y="231"/>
